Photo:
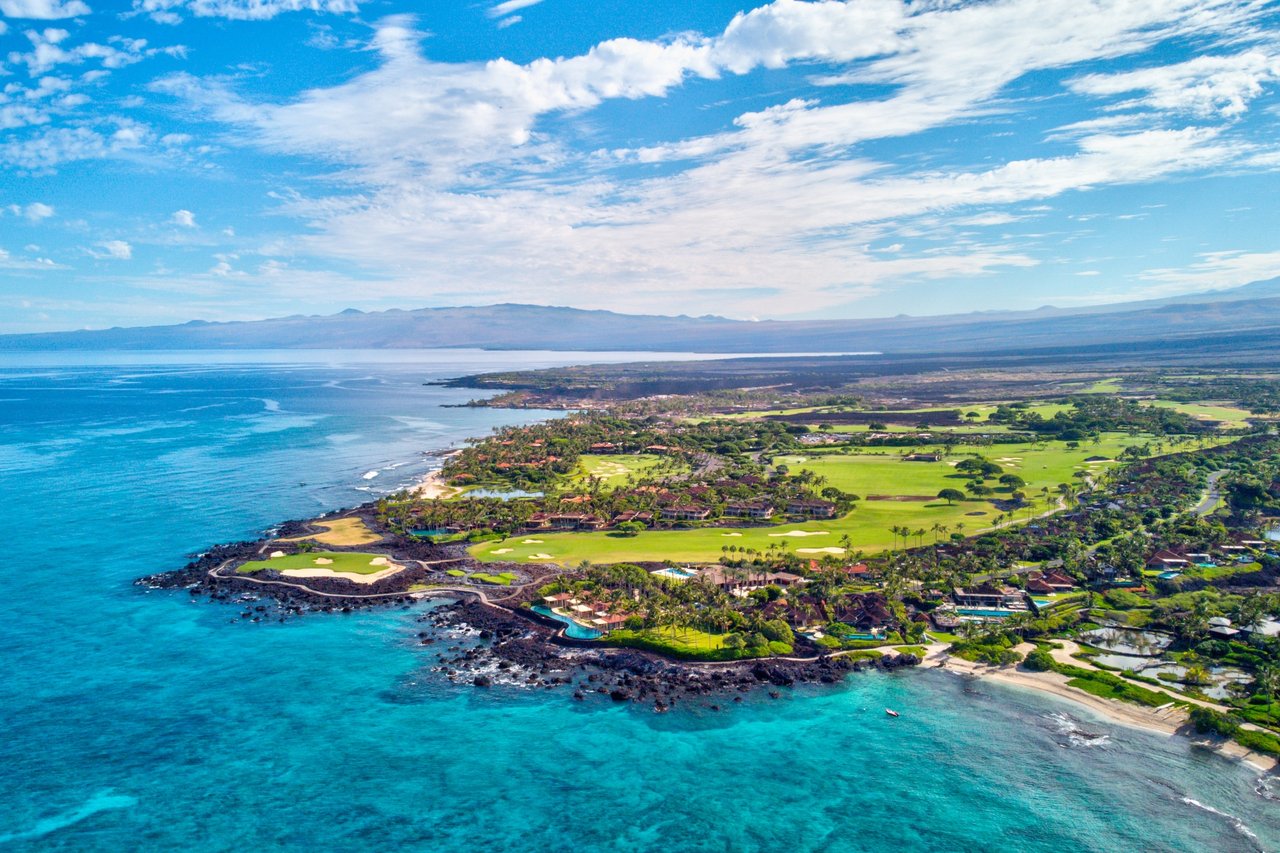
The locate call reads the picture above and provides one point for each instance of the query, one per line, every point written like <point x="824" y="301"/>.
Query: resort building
<point x="812" y="508"/>
<point x="990" y="596"/>
<point x="749" y="510"/>
<point x="686" y="513"/>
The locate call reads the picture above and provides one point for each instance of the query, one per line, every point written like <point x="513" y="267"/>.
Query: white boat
<point x="891" y="712"/>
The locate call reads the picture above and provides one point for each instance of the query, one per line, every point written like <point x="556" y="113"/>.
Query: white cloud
<point x="48" y="51"/>
<point x="168" y="11"/>
<point x="9" y="262"/>
<point x="454" y="168"/>
<point x="118" y="250"/>
<point x="46" y="10"/>
<point x="1203" y="86"/>
<point x="183" y="218"/>
<point x="510" y="21"/>
<point x="511" y="6"/>
<point x="1217" y="270"/>
<point x="35" y="212"/>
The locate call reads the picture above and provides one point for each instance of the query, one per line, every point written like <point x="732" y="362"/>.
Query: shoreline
<point x="432" y="486"/>
<point x="1172" y="721"/>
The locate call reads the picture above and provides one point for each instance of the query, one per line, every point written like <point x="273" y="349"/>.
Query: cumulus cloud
<point x="455" y="167"/>
<point x="34" y="212"/>
<point x="183" y="218"/>
<point x="118" y="250"/>
<point x="46" y="10"/>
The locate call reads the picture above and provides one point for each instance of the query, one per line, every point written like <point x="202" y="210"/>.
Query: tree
<point x="951" y="495"/>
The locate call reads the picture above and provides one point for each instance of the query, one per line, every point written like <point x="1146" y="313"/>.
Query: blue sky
<point x="164" y="160"/>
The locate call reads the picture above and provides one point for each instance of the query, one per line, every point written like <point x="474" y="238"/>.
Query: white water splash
<point x="99" y="802"/>
<point x="1236" y="823"/>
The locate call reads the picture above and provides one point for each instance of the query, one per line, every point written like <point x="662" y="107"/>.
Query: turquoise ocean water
<point x="139" y="720"/>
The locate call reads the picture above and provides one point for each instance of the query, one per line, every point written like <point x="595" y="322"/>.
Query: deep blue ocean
<point x="136" y="720"/>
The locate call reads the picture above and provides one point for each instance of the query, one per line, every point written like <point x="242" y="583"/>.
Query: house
<point x="633" y="515"/>
<point x="564" y="521"/>
<point x="609" y="621"/>
<point x="658" y="448"/>
<point x="989" y="596"/>
<point x="812" y="508"/>
<point x="867" y="612"/>
<point x="604" y="447"/>
<point x="538" y="521"/>
<point x="1058" y="581"/>
<point x="749" y="510"/>
<point x="688" y="512"/>
<point x="783" y="579"/>
<point x="858" y="570"/>
<point x="1165" y="560"/>
<point x="554" y="601"/>
<point x="1037" y="586"/>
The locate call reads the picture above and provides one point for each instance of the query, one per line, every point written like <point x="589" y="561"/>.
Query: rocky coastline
<point x="479" y="643"/>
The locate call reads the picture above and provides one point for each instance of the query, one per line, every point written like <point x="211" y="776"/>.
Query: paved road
<point x="1212" y="495"/>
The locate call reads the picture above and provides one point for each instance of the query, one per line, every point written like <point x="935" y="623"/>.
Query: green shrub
<point x="1040" y="661"/>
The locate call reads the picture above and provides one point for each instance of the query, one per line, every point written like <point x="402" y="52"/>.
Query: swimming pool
<point x="981" y="611"/>
<point x="572" y="629"/>
<point x="676" y="574"/>
<point x="1168" y="576"/>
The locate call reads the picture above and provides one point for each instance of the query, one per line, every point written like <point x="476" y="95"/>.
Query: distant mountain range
<point x="1252" y="311"/>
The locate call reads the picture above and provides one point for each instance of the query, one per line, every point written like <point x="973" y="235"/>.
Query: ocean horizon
<point x="138" y="719"/>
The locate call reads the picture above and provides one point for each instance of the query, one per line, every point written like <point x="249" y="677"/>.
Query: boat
<point x="891" y="712"/>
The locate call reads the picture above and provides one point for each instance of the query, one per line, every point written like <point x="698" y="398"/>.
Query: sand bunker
<point x="538" y="557"/>
<point x="819" y="550"/>
<point x="501" y="551"/>
<point x="372" y="577"/>
<point x="275" y="554"/>
<point x="531" y="542"/>
<point x="379" y="561"/>
<point x="730" y="534"/>
<point x="323" y="561"/>
<point x="802" y="533"/>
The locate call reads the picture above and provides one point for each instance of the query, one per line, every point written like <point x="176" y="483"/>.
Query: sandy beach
<point x="1167" y="721"/>
<point x="433" y="486"/>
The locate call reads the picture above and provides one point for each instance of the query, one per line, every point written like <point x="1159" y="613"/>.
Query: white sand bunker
<point x="275" y="554"/>
<point x="538" y="557"/>
<point x="354" y="577"/>
<point x="819" y="550"/>
<point x="802" y="533"/>
<point x="323" y="561"/>
<point x="1009" y="459"/>
<point x="730" y="534"/>
<point x="531" y="542"/>
<point x="379" y="561"/>
<point x="501" y="551"/>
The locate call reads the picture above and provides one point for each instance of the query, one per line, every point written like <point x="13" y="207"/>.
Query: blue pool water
<point x="676" y="574"/>
<point x="572" y="629"/>
<point x="980" y="611"/>
<point x="135" y="720"/>
<point x="1169" y="575"/>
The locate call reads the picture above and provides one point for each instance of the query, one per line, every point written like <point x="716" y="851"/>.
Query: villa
<point x="686" y="513"/>
<point x="749" y="510"/>
<point x="815" y="509"/>
<point x="990" y="596"/>
<point x="1165" y="559"/>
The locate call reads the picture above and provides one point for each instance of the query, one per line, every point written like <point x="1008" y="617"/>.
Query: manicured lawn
<point x="679" y="642"/>
<point x="339" y="561"/>
<point x="868" y="526"/>
<point x="614" y="469"/>
<point x="341" y="531"/>
<point x="503" y="579"/>
<point x="1230" y="416"/>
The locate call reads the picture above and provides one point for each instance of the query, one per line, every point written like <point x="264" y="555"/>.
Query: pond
<point x="1128" y="641"/>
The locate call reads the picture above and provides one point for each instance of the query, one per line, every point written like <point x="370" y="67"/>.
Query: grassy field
<point x="1231" y="417"/>
<point x="340" y="531"/>
<point x="340" y="561"/>
<point x="614" y="469"/>
<point x="868" y="526"/>
<point x="886" y="473"/>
